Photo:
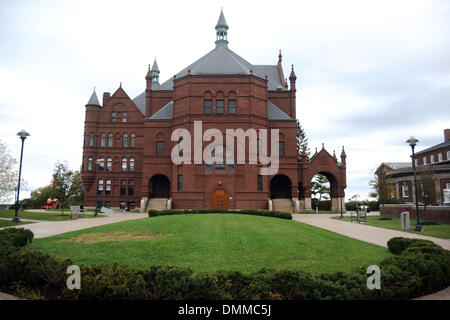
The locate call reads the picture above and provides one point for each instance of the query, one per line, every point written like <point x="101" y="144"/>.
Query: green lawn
<point x="209" y="242"/>
<point x="9" y="223"/>
<point x="49" y="215"/>
<point x="439" y="231"/>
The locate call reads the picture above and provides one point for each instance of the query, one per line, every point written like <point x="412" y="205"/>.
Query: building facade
<point x="432" y="164"/>
<point x="129" y="144"/>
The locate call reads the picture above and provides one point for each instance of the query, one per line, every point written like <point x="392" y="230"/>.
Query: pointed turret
<point x="280" y="70"/>
<point x="222" y="30"/>
<point x="93" y="101"/>
<point x="292" y="76"/>
<point x="149" y="76"/>
<point x="343" y="156"/>
<point x="155" y="72"/>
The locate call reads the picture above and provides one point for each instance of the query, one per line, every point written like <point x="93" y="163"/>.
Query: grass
<point x="211" y="242"/>
<point x="442" y="230"/>
<point x="9" y="223"/>
<point x="49" y="215"/>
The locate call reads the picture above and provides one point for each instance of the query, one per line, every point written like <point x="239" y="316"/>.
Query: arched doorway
<point x="219" y="199"/>
<point x="159" y="186"/>
<point x="325" y="191"/>
<point x="280" y="187"/>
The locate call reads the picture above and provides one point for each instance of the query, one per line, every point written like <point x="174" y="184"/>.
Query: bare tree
<point x="426" y="187"/>
<point x="382" y="187"/>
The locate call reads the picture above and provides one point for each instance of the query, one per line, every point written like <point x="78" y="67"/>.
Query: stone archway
<point x="280" y="187"/>
<point x="159" y="186"/>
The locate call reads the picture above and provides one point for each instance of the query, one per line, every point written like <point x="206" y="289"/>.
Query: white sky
<point x="370" y="73"/>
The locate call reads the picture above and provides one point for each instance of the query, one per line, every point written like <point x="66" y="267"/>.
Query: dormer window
<point x="113" y="116"/>
<point x="124" y="117"/>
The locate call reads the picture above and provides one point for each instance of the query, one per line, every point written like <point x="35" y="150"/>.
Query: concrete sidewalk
<point x="363" y="232"/>
<point x="50" y="228"/>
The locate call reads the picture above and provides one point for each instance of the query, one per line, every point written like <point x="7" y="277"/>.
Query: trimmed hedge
<point x="419" y="269"/>
<point x="265" y="213"/>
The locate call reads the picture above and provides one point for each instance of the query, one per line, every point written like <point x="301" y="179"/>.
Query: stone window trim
<point x="405" y="191"/>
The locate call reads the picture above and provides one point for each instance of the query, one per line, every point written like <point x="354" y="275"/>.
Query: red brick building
<point x="131" y="138"/>
<point x="434" y="161"/>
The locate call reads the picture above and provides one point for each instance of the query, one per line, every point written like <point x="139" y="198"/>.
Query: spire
<point x="221" y="30"/>
<point x="280" y="70"/>
<point x="292" y="76"/>
<point x="149" y="74"/>
<point x="155" y="72"/>
<point x="93" y="101"/>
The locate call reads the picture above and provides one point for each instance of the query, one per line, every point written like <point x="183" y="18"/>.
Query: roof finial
<point x="280" y="56"/>
<point x="121" y="84"/>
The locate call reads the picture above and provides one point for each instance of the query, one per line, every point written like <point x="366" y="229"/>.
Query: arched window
<point x="90" y="163"/>
<point x="232" y="102"/>
<point x="109" y="164"/>
<point x="124" y="164"/>
<point x="133" y="140"/>
<point x="103" y="140"/>
<point x="131" y="164"/>
<point x="110" y="140"/>
<point x="125" y="140"/>
<point x="91" y="139"/>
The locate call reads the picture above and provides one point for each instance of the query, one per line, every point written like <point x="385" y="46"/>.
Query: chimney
<point x="446" y="134"/>
<point x="106" y="97"/>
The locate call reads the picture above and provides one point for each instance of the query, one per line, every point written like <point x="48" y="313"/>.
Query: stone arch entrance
<point x="280" y="187"/>
<point x="334" y="188"/>
<point x="159" y="186"/>
<point x="219" y="199"/>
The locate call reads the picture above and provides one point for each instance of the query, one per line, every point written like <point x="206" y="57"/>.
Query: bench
<point x="76" y="210"/>
<point x="359" y="215"/>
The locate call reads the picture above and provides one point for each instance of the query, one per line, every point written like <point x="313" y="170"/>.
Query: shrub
<point x="265" y="213"/>
<point x="398" y="244"/>
<point x="429" y="223"/>
<point x="18" y="237"/>
<point x="385" y="218"/>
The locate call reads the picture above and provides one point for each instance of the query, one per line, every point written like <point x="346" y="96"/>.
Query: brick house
<point x="132" y="139"/>
<point x="435" y="159"/>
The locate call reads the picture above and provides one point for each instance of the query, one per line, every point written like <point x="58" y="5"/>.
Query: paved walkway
<point x="361" y="231"/>
<point x="50" y="228"/>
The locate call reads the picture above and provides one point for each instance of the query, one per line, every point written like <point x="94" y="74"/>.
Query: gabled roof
<point x="93" y="101"/>
<point x="436" y="147"/>
<point x="139" y="101"/>
<point x="275" y="113"/>
<point x="165" y="113"/>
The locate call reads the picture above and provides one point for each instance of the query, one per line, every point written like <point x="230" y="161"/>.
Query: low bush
<point x="399" y="244"/>
<point x="265" y="213"/>
<point x="385" y="218"/>
<point x="420" y="267"/>
<point x="17" y="237"/>
<point x="429" y="223"/>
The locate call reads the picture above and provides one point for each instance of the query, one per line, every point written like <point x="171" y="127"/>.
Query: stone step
<point x="282" y="205"/>
<point x="157" y="204"/>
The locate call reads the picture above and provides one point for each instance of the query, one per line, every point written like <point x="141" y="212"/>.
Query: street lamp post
<point x="23" y="135"/>
<point x="412" y="141"/>
<point x="340" y="187"/>
<point x="98" y="162"/>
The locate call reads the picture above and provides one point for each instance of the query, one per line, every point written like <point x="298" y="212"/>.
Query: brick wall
<point x="440" y="214"/>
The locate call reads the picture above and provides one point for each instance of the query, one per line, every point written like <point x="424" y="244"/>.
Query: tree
<point x="302" y="140"/>
<point x="77" y="196"/>
<point x="40" y="196"/>
<point x="426" y="187"/>
<point x="63" y="184"/>
<point x="320" y="186"/>
<point x="382" y="187"/>
<point x="8" y="176"/>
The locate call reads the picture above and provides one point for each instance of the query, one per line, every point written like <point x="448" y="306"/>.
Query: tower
<point x="155" y="73"/>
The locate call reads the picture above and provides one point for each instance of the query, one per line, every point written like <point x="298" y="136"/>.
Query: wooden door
<point x="219" y="199"/>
